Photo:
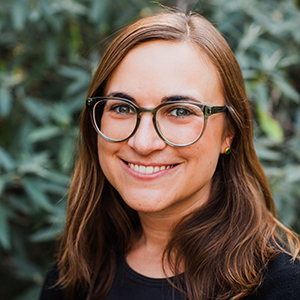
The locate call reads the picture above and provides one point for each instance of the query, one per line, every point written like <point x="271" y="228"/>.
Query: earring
<point x="227" y="150"/>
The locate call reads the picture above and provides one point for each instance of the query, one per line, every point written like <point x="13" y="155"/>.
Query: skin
<point x="148" y="74"/>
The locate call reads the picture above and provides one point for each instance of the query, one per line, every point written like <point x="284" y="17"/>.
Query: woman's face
<point x="148" y="74"/>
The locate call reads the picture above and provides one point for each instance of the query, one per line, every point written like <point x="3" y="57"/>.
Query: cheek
<point x="214" y="136"/>
<point x="101" y="151"/>
<point x="106" y="152"/>
<point x="204" y="155"/>
<point x="200" y="168"/>
<point x="103" y="161"/>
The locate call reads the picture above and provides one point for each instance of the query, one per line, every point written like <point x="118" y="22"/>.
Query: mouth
<point x="148" y="169"/>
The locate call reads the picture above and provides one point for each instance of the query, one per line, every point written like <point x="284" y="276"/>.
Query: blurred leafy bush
<point x="48" y="52"/>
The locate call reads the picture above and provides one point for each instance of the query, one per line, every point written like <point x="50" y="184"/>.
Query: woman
<point x="168" y="198"/>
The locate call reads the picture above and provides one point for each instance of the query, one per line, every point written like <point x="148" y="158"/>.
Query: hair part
<point x="226" y="244"/>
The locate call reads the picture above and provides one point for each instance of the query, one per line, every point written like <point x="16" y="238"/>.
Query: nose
<point x="146" y="140"/>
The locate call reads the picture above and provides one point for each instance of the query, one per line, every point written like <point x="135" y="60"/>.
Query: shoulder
<point x="49" y="290"/>
<point x="281" y="280"/>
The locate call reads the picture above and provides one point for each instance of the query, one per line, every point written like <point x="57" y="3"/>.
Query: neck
<point x="156" y="230"/>
<point x="146" y="255"/>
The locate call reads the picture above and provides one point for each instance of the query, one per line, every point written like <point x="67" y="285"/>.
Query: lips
<point x="148" y="169"/>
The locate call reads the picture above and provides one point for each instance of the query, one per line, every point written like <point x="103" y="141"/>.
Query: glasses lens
<point x="180" y="123"/>
<point x="114" y="119"/>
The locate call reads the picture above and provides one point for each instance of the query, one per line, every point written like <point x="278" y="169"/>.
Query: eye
<point x="122" y="109"/>
<point x="181" y="112"/>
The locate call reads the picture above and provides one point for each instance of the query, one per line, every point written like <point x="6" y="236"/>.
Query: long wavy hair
<point x="226" y="244"/>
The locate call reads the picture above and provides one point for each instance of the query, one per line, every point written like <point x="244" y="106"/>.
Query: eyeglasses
<point x="178" y="123"/>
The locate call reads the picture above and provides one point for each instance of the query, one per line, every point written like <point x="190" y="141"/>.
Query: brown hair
<point x="226" y="244"/>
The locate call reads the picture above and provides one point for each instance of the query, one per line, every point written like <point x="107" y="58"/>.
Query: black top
<point x="281" y="282"/>
<point x="131" y="285"/>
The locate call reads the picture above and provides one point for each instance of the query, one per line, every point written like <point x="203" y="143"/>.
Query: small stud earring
<point x="227" y="150"/>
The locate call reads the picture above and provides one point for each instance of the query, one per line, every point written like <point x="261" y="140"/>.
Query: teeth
<point x="149" y="169"/>
<point x="156" y="169"/>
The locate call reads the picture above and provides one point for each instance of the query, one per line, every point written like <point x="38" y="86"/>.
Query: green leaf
<point x="293" y="173"/>
<point x="289" y="61"/>
<point x="5" y="214"/>
<point x="47" y="234"/>
<point x="286" y="88"/>
<point x="79" y="85"/>
<point x="34" y="163"/>
<point x="51" y="50"/>
<point x="59" y="217"/>
<point x="270" y="126"/>
<point x="72" y="72"/>
<point x="5" y="102"/>
<point x="44" y="133"/>
<point x="69" y="6"/>
<point x="18" y="13"/>
<point x="22" y="133"/>
<point x="36" y="195"/>
<point x="37" y="109"/>
<point x="61" y="114"/>
<point x="53" y="188"/>
<point x="264" y="153"/>
<point x="253" y="32"/>
<point x="20" y="204"/>
<point x="98" y="11"/>
<point x="66" y="153"/>
<point x="261" y="95"/>
<point x="57" y="177"/>
<point x="273" y="171"/>
<point x="6" y="160"/>
<point x="2" y="185"/>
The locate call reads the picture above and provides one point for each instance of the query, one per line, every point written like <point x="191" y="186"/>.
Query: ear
<point x="228" y="136"/>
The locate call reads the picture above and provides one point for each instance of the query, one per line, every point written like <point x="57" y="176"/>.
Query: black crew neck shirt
<point x="129" y="284"/>
<point x="281" y="282"/>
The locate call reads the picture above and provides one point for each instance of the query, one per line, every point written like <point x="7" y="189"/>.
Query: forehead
<point x="158" y="69"/>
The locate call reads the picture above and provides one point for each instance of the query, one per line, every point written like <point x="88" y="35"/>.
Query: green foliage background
<point x="48" y="52"/>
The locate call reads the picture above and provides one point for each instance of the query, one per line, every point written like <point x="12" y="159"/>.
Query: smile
<point x="149" y="169"/>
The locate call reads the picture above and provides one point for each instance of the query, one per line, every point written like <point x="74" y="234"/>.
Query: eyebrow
<point x="179" y="98"/>
<point x="121" y="95"/>
<point x="164" y="99"/>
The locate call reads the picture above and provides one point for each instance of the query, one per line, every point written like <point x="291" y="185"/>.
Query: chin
<point x="146" y="204"/>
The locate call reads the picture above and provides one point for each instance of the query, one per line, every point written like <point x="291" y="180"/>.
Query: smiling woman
<point x="152" y="75"/>
<point x="157" y="210"/>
